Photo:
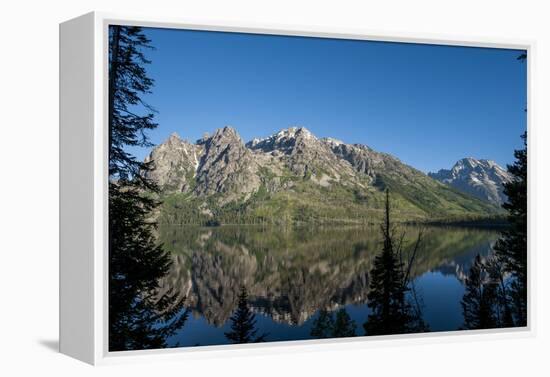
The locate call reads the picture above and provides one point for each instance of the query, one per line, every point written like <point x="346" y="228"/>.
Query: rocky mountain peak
<point x="174" y="138"/>
<point x="215" y="164"/>
<point x="226" y="132"/>
<point x="468" y="162"/>
<point x="283" y="141"/>
<point x="478" y="177"/>
<point x="223" y="138"/>
<point x="226" y="166"/>
<point x="301" y="132"/>
<point x="305" y="155"/>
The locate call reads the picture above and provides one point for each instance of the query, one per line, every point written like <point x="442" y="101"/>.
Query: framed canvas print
<point x="224" y="185"/>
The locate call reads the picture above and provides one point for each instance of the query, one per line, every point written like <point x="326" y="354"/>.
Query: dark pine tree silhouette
<point x="391" y="311"/>
<point x="322" y="325"/>
<point x="128" y="81"/>
<point x="480" y="298"/>
<point x="344" y="326"/>
<point x="325" y="326"/>
<point x="511" y="248"/>
<point x="503" y="311"/>
<point x="139" y="318"/>
<point x="243" y="323"/>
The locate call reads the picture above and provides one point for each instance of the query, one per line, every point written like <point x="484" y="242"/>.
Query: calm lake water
<point x="291" y="274"/>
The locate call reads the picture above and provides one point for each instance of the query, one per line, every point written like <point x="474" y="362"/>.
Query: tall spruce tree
<point x="511" y="248"/>
<point x="243" y="322"/>
<point x="391" y="312"/>
<point x="138" y="317"/>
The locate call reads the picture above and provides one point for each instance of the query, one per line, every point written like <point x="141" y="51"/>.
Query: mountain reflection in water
<point x="292" y="273"/>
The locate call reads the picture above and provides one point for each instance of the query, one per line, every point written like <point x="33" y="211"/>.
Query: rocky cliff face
<point x="363" y="159"/>
<point x="226" y="167"/>
<point x="175" y="163"/>
<point x="373" y="164"/>
<point x="481" y="178"/>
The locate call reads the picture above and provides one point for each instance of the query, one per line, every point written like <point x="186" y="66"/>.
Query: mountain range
<point x="294" y="176"/>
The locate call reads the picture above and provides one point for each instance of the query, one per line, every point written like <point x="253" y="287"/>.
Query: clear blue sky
<point x="428" y="105"/>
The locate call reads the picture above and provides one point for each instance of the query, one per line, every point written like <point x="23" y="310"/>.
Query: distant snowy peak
<point x="478" y="169"/>
<point x="484" y="179"/>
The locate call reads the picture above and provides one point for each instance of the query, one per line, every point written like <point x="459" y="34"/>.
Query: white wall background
<point x="29" y="183"/>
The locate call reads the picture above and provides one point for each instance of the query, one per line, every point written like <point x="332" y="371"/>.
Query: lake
<point x="293" y="273"/>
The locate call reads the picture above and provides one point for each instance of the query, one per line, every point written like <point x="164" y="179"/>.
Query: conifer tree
<point x="243" y="323"/>
<point x="503" y="308"/>
<point x="511" y="248"/>
<point x="323" y="325"/>
<point x="391" y="312"/>
<point x="344" y="326"/>
<point x="480" y="298"/>
<point x="130" y="117"/>
<point x="138" y="317"/>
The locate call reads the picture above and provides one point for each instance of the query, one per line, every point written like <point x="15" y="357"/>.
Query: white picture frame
<point x="84" y="202"/>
